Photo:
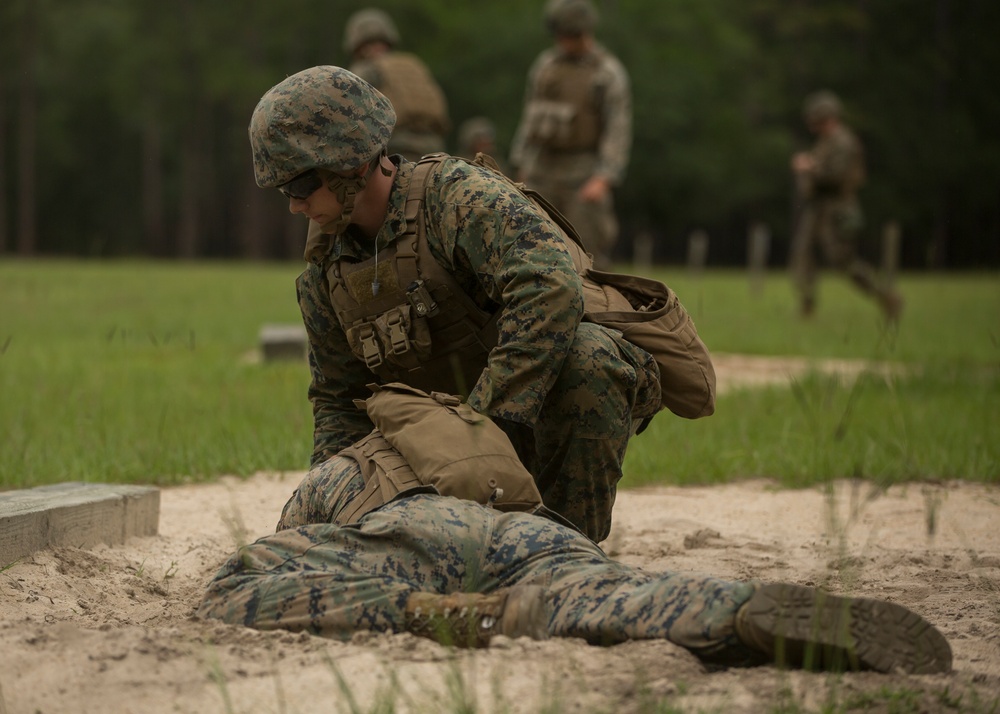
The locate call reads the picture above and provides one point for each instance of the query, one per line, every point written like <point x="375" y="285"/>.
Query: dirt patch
<point x="110" y="629"/>
<point x="734" y="370"/>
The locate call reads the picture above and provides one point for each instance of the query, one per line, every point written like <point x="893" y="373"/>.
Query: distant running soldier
<point x="422" y="122"/>
<point x="573" y="142"/>
<point x="827" y="179"/>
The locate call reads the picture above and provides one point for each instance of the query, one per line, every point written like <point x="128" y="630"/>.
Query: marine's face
<point x="821" y="126"/>
<point x="573" y="45"/>
<point x="320" y="203"/>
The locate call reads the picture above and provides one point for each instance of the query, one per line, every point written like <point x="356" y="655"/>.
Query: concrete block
<point x="283" y="342"/>
<point x="75" y="514"/>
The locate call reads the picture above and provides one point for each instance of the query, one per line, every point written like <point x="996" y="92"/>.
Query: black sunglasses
<point x="302" y="186"/>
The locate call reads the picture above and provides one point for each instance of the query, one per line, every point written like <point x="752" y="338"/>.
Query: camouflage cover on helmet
<point x="474" y="130"/>
<point x="369" y="25"/>
<point x="323" y="117"/>
<point x="570" y="17"/>
<point x="821" y="105"/>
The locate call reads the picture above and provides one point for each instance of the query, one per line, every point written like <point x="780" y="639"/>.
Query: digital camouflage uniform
<point x="568" y="393"/>
<point x="559" y="387"/>
<point x="830" y="217"/>
<point x="333" y="581"/>
<point x="577" y="123"/>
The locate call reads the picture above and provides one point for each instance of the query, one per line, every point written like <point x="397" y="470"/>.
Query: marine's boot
<point x="471" y="619"/>
<point x="800" y="626"/>
<point x="807" y="307"/>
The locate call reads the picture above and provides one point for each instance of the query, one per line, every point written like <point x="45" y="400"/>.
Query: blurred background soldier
<point x="422" y="122"/>
<point x="827" y="179"/>
<point x="573" y="142"/>
<point x="475" y="135"/>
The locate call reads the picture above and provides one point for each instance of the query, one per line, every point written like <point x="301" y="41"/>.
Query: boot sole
<point x="816" y="630"/>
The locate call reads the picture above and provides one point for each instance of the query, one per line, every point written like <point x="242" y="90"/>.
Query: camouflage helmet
<point x="570" y="17"/>
<point x="321" y="118"/>
<point x="369" y="25"/>
<point x="820" y="106"/>
<point x="475" y="130"/>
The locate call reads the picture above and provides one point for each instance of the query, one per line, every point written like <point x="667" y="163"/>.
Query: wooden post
<point x="697" y="251"/>
<point x="642" y="249"/>
<point x="758" y="249"/>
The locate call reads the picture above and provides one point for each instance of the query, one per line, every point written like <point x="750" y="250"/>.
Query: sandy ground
<point x="110" y="629"/>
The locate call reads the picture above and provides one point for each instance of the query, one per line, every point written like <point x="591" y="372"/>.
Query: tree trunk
<point x="295" y="235"/>
<point x="938" y="253"/>
<point x="3" y="165"/>
<point x="153" y="228"/>
<point x="254" y="223"/>
<point x="27" y="190"/>
<point x="187" y="226"/>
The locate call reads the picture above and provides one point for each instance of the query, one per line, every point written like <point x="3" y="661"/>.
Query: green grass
<point x="943" y="424"/>
<point x="951" y="319"/>
<point x="137" y="371"/>
<point x="939" y="419"/>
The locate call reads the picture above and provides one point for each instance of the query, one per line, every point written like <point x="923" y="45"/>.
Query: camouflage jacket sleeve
<point x="615" y="143"/>
<point x="337" y="377"/>
<point x="506" y="252"/>
<point x="838" y="162"/>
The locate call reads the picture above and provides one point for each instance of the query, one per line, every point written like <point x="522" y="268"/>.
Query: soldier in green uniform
<point x="454" y="282"/>
<point x="827" y="180"/>
<point x="422" y="122"/>
<point x="573" y="141"/>
<point x="460" y="572"/>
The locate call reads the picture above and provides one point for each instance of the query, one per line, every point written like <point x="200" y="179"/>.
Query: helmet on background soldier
<point x="570" y="18"/>
<point x="820" y="106"/>
<point x="320" y="118"/>
<point x="475" y="132"/>
<point x="369" y="25"/>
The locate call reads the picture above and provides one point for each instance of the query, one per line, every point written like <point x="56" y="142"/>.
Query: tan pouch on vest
<point x="649" y="315"/>
<point x="452" y="447"/>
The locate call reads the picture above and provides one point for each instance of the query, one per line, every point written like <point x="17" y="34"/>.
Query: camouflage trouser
<point x="830" y="226"/>
<point x="576" y="447"/>
<point x="596" y="223"/>
<point x="333" y="581"/>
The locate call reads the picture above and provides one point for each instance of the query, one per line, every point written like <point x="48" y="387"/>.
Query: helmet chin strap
<point x="346" y="190"/>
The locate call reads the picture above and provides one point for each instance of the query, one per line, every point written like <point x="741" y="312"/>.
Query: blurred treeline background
<point x="123" y="122"/>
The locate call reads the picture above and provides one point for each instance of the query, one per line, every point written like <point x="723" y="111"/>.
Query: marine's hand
<point x="595" y="189"/>
<point x="803" y="162"/>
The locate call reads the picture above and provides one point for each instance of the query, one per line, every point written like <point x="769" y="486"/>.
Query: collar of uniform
<point x="351" y="244"/>
<point x="395" y="222"/>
